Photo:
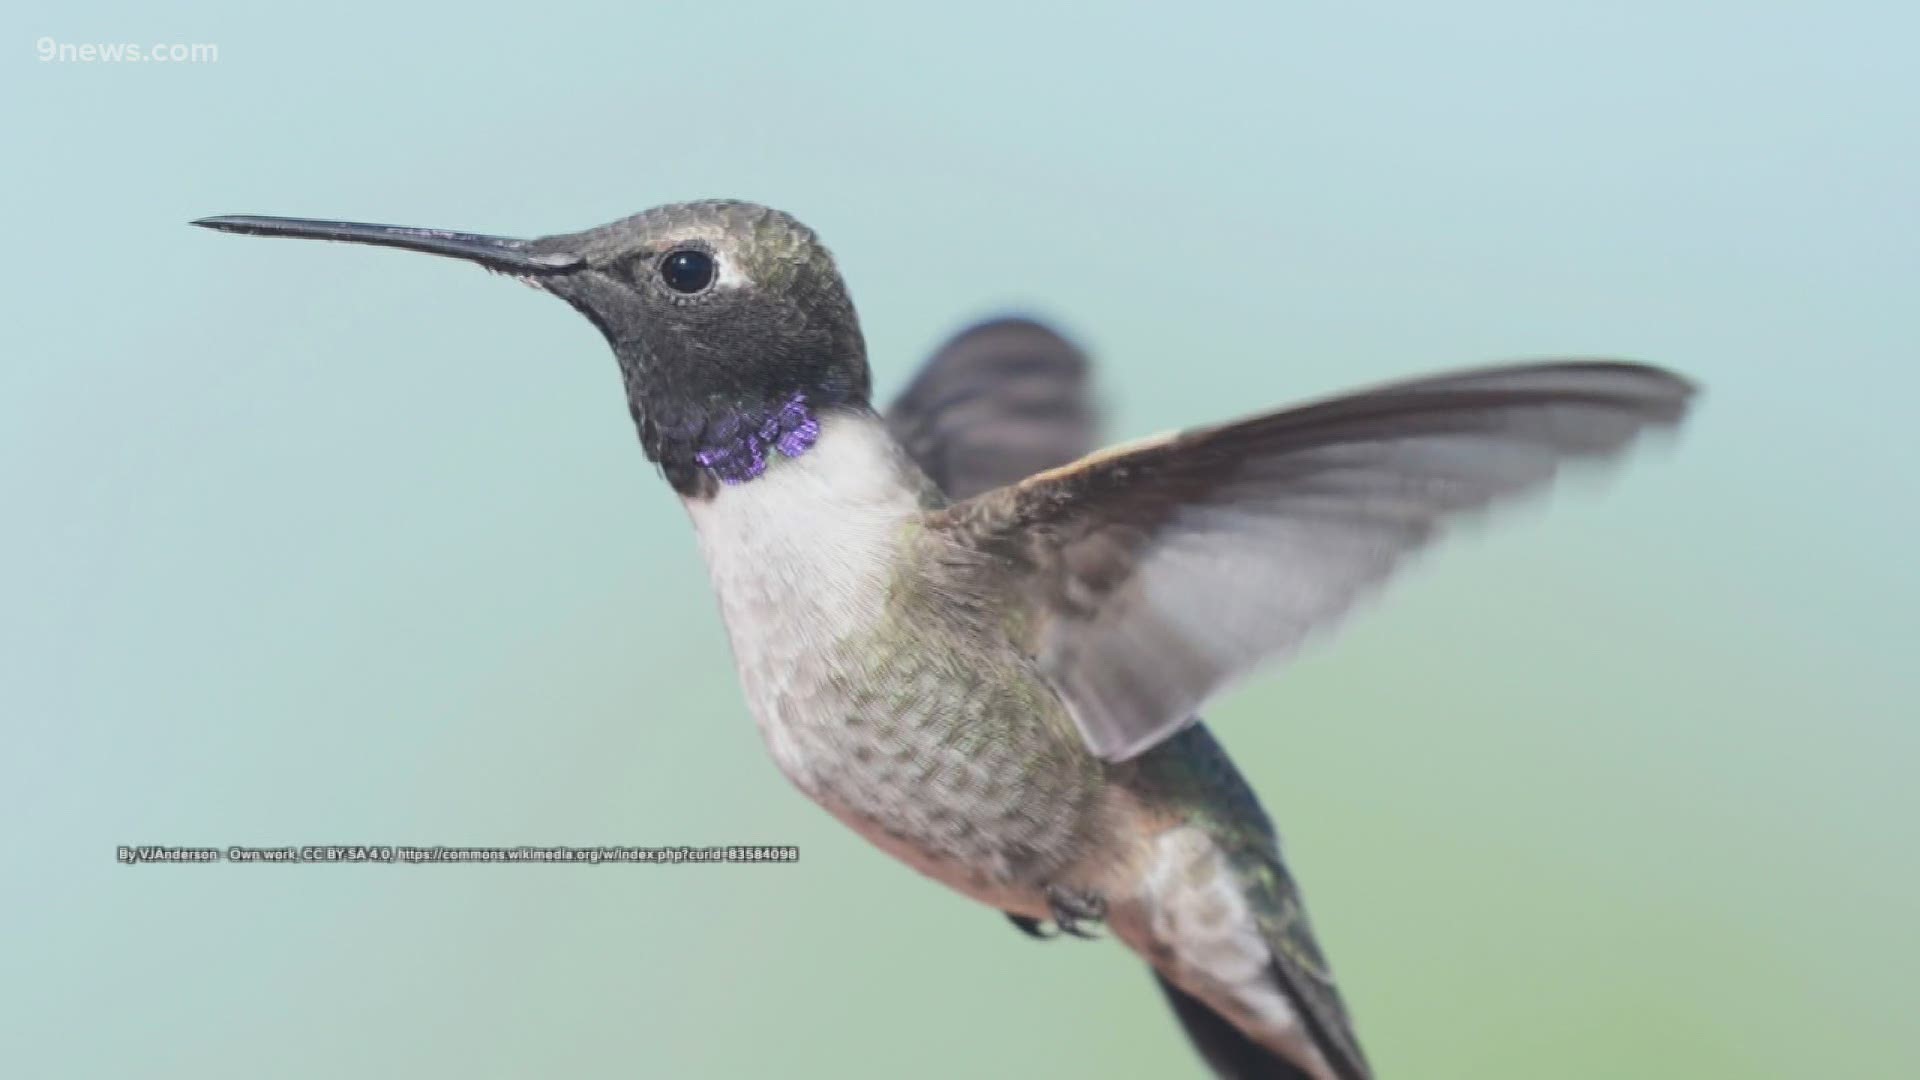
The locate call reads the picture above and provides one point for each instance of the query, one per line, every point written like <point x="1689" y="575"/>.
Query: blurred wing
<point x="1151" y="575"/>
<point x="999" y="402"/>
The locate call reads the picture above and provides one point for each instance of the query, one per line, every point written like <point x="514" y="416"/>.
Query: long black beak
<point x="494" y="252"/>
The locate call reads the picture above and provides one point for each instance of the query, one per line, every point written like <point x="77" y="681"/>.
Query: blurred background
<point x="312" y="544"/>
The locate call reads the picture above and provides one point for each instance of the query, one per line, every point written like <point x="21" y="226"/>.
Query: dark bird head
<point x="732" y="326"/>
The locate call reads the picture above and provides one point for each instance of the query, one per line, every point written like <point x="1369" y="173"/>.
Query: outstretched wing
<point x="1000" y="401"/>
<point x="1150" y="575"/>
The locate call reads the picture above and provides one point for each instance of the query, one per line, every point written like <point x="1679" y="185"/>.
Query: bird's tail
<point x="1226" y="1048"/>
<point x="1220" y="917"/>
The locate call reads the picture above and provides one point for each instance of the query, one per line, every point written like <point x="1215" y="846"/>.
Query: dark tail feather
<point x="1230" y="1053"/>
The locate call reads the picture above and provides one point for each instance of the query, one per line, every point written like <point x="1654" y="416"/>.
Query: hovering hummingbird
<point x="984" y="651"/>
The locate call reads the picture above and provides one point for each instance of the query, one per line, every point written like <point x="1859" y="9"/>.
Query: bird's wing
<point x="1147" y="576"/>
<point x="1000" y="401"/>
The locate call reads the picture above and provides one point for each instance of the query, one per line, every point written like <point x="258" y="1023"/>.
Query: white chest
<point x="801" y="560"/>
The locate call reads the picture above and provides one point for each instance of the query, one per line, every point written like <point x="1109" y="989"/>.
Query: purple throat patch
<point x="735" y="447"/>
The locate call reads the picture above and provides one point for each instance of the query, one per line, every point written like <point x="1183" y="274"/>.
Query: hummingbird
<point x="984" y="648"/>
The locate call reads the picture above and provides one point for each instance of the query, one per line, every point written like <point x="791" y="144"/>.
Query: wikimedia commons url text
<point x="680" y="855"/>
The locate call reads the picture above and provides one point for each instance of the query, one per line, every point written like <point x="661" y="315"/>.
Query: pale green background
<point x="313" y="544"/>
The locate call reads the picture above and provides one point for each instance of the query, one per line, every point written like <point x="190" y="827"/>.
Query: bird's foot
<point x="1071" y="907"/>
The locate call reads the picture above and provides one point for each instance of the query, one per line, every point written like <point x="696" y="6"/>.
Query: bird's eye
<point x="687" y="271"/>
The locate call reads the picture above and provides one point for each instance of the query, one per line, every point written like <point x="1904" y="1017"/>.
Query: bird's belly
<point x="1008" y="893"/>
<point x="927" y="736"/>
<point x="937" y="763"/>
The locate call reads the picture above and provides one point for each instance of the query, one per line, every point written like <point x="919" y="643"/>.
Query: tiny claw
<point x="1071" y="908"/>
<point x="1031" y="927"/>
